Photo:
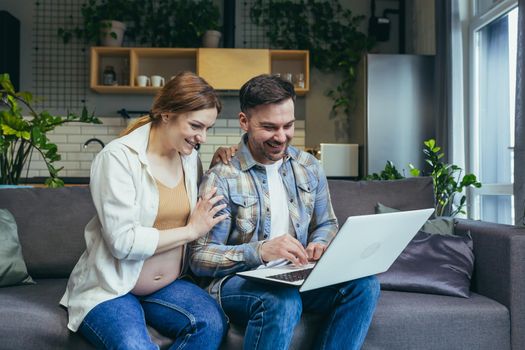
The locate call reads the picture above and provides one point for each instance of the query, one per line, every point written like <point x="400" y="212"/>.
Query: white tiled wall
<point x="76" y="159"/>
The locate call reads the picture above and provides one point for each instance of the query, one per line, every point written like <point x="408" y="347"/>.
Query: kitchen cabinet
<point x="224" y="69"/>
<point x="229" y="69"/>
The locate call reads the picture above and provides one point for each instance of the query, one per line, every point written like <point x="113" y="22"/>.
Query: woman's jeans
<point x="270" y="312"/>
<point x="181" y="311"/>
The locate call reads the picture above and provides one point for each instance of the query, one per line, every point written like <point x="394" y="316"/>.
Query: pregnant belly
<point x="158" y="271"/>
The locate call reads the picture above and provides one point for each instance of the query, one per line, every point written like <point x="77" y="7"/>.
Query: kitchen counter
<point x="40" y="180"/>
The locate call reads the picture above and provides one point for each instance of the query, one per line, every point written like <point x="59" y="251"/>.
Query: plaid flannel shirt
<point x="234" y="244"/>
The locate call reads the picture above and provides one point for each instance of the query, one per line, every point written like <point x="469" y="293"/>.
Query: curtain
<point x="519" y="127"/>
<point x="450" y="91"/>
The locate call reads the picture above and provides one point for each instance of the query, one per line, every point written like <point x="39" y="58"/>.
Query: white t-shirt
<point x="280" y="216"/>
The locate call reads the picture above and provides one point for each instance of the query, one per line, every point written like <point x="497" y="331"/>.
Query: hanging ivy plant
<point x="329" y="32"/>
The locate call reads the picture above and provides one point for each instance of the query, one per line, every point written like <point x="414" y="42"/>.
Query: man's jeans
<point x="181" y="310"/>
<point x="270" y="312"/>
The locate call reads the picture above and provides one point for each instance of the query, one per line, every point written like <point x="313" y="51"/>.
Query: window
<point x="491" y="125"/>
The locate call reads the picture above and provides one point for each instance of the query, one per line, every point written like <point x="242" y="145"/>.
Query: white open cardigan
<point x="121" y="236"/>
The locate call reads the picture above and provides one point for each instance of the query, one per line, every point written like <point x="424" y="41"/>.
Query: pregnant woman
<point x="144" y="187"/>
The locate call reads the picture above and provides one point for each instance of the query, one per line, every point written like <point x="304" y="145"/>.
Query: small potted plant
<point x="209" y="22"/>
<point x="20" y="136"/>
<point x="103" y="22"/>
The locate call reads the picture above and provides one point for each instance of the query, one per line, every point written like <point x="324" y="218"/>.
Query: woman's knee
<point x="209" y="319"/>
<point x="282" y="303"/>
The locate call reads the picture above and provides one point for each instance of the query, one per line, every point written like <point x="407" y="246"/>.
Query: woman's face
<point x="186" y="131"/>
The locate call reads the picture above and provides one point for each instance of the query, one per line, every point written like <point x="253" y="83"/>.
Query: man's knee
<point x="366" y="287"/>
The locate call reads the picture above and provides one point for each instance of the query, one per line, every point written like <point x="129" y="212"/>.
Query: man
<point x="279" y="206"/>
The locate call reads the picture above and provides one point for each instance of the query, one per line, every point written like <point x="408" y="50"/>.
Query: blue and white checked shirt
<point x="234" y="244"/>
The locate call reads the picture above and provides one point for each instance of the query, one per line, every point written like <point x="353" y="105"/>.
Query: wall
<point x="314" y="108"/>
<point x="419" y="40"/>
<point x="76" y="159"/>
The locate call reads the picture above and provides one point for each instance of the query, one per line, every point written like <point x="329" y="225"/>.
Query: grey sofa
<point x="51" y="224"/>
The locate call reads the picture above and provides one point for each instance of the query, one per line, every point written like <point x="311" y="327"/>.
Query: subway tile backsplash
<point x="76" y="159"/>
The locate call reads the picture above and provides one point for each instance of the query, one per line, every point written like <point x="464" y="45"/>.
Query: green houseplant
<point x="447" y="180"/>
<point x="329" y="32"/>
<point x="179" y="23"/>
<point x="19" y="136"/>
<point x="97" y="22"/>
<point x="153" y="23"/>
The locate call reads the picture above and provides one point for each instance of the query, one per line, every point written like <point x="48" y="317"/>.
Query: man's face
<point x="270" y="129"/>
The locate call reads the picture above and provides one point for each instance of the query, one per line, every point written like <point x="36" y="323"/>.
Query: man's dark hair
<point x="265" y="89"/>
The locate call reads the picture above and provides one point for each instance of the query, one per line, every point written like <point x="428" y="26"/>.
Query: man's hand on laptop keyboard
<point x="315" y="250"/>
<point x="284" y="247"/>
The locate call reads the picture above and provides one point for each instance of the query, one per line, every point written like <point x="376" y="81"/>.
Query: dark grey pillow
<point x="13" y="269"/>
<point x="433" y="263"/>
<point x="436" y="261"/>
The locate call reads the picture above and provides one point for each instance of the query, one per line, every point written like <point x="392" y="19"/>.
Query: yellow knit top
<point x="174" y="206"/>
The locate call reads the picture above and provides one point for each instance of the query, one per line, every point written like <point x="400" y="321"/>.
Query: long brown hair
<point x="186" y="92"/>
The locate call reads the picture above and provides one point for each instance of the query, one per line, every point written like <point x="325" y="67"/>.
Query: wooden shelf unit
<point x="224" y="69"/>
<point x="294" y="62"/>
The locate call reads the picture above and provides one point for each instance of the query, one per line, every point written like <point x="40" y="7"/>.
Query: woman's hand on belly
<point x="158" y="271"/>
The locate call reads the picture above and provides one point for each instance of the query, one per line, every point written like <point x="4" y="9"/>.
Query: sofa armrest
<point x="499" y="269"/>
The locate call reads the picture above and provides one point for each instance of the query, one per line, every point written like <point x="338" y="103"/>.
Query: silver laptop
<point x="366" y="245"/>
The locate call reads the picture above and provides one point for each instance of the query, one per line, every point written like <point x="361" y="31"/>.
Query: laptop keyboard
<point x="292" y="276"/>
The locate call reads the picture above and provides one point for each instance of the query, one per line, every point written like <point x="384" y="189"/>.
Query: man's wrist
<point x="259" y="251"/>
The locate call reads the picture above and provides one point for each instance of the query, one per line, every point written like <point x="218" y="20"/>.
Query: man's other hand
<point x="223" y="154"/>
<point x="315" y="250"/>
<point x="284" y="247"/>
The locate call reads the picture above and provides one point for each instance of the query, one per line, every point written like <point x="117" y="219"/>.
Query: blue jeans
<point x="181" y="310"/>
<point x="270" y="312"/>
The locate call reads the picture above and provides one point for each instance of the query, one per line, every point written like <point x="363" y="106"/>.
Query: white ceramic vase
<point x="211" y="38"/>
<point x="106" y="39"/>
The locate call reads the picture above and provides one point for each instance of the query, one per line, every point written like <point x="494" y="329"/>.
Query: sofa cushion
<point x="13" y="269"/>
<point x="50" y="226"/>
<point x="406" y="320"/>
<point x="361" y="197"/>
<point x="31" y="318"/>
<point x="433" y="263"/>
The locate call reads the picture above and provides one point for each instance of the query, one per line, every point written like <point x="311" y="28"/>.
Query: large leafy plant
<point x="329" y="32"/>
<point x="447" y="180"/>
<point x="20" y="136"/>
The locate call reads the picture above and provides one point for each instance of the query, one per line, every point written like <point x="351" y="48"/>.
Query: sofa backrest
<point x="51" y="222"/>
<point x="361" y="197"/>
<point x="51" y="226"/>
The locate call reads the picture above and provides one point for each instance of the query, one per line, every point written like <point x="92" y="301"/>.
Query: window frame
<point x="477" y="23"/>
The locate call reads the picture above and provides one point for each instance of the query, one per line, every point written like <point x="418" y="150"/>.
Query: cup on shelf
<point x="143" y="80"/>
<point x="157" y="81"/>
<point x="287" y="77"/>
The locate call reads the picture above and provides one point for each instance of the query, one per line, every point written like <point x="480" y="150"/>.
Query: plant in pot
<point x="20" y="136"/>
<point x="209" y="21"/>
<point x="446" y="178"/>
<point x="102" y="22"/>
<point x="174" y="23"/>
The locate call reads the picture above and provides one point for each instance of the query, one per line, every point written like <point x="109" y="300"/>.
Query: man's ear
<point x="243" y="121"/>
